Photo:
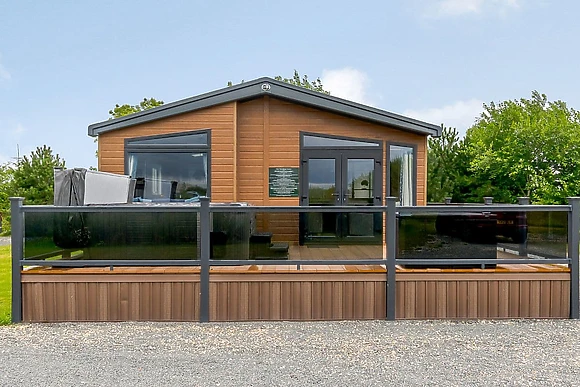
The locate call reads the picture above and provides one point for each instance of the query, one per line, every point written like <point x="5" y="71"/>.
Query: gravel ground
<point x="4" y="241"/>
<point x="375" y="353"/>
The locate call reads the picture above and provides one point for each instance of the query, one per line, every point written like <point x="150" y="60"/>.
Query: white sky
<point x="64" y="64"/>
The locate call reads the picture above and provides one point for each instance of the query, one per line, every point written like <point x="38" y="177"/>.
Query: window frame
<point x="170" y="148"/>
<point x="378" y="144"/>
<point x="388" y="167"/>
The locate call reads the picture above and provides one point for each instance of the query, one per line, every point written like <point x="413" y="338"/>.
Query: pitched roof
<point x="267" y="86"/>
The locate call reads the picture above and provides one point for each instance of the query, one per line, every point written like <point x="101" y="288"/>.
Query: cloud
<point x="4" y="74"/>
<point x="19" y="130"/>
<point x="460" y="114"/>
<point x="452" y="8"/>
<point x="347" y="83"/>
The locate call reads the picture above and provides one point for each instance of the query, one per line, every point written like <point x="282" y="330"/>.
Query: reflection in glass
<point x="322" y="191"/>
<point x="470" y="236"/>
<point x="170" y="175"/>
<point x="483" y="235"/>
<point x="321" y="181"/>
<point x="360" y="179"/>
<point x="111" y="235"/>
<point x="547" y="234"/>
<point x="180" y="139"/>
<point x="316" y="141"/>
<point x="401" y="174"/>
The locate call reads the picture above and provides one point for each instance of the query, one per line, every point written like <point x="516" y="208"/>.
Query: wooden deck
<point x="337" y="252"/>
<point x="289" y="292"/>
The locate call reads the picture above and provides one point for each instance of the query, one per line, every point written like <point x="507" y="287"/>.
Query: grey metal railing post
<point x="204" y="221"/>
<point x="391" y="256"/>
<point x="17" y="246"/>
<point x="523" y="246"/>
<point x="574" y="254"/>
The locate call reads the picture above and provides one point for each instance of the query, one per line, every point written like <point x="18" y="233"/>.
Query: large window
<point x="173" y="166"/>
<point x="402" y="174"/>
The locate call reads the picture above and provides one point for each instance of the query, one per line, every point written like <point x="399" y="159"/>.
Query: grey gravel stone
<point x="371" y="353"/>
<point x="4" y="241"/>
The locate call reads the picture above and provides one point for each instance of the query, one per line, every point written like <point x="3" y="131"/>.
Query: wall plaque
<point x="283" y="182"/>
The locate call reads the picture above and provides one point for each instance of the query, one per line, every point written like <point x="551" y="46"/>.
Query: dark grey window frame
<point x="335" y="137"/>
<point x="388" y="169"/>
<point x="170" y="148"/>
<point x="325" y="151"/>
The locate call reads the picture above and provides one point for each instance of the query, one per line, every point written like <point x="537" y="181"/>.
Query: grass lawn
<point x="5" y="285"/>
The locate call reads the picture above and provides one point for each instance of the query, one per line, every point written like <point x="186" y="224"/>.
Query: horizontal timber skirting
<point x="174" y="296"/>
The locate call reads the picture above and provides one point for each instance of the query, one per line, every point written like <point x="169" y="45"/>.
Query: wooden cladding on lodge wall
<point x="220" y="119"/>
<point x="293" y="296"/>
<point x="249" y="137"/>
<point x="269" y="131"/>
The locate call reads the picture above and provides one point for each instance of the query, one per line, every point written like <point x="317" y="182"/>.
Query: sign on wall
<point x="283" y="182"/>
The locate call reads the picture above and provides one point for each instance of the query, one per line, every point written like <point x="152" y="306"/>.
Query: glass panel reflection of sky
<point x="321" y="181"/>
<point x="321" y="173"/>
<point x="182" y="139"/>
<point x="335" y="142"/>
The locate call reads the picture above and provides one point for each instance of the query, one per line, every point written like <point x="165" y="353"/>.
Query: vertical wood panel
<point x="524" y="299"/>
<point x="348" y="300"/>
<point x="545" y="297"/>
<point x="451" y="299"/>
<point x="59" y="299"/>
<point x="410" y="299"/>
<point x="441" y="299"/>
<point x="493" y="299"/>
<point x="276" y="299"/>
<point x="431" y="301"/>
<point x="421" y="299"/>
<point x="556" y="295"/>
<point x="482" y="299"/>
<point x="400" y="311"/>
<point x="503" y="299"/>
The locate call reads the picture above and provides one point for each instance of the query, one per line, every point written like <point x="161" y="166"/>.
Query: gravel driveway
<point x="375" y="353"/>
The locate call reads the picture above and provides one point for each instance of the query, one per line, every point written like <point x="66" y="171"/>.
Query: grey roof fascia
<point x="278" y="89"/>
<point x="229" y="94"/>
<point x="353" y="109"/>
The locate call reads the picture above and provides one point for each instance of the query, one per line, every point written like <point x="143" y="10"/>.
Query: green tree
<point x="297" y="80"/>
<point x="442" y="165"/>
<point x="33" y="176"/>
<point x="6" y="172"/>
<point x="126" y="109"/>
<point x="303" y="81"/>
<point x="526" y="147"/>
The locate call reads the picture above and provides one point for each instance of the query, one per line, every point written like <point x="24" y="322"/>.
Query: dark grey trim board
<point x="267" y="86"/>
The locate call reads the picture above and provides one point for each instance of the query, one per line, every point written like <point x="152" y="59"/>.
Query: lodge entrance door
<point x="341" y="177"/>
